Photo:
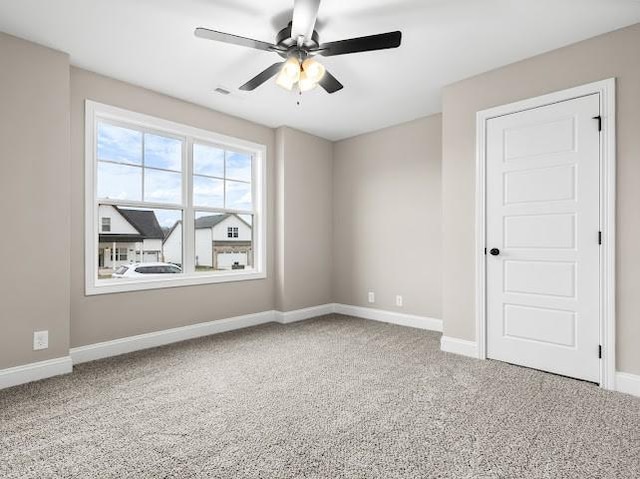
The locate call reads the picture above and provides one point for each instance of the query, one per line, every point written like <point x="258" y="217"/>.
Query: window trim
<point x="95" y="111"/>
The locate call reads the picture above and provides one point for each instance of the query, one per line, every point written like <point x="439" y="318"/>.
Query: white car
<point x="137" y="270"/>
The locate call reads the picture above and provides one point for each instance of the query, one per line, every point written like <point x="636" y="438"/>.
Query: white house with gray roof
<point x="128" y="236"/>
<point x="223" y="242"/>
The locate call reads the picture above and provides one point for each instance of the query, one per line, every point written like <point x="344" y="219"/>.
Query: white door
<point x="542" y="233"/>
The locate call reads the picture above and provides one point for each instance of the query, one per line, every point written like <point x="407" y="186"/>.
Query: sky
<point x="126" y="156"/>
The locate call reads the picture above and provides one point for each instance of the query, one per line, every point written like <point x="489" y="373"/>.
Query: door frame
<point x="606" y="90"/>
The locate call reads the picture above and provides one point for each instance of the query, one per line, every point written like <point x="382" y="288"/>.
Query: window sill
<point x="109" y="286"/>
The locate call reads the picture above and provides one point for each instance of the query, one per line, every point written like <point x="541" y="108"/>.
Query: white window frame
<point x="94" y="112"/>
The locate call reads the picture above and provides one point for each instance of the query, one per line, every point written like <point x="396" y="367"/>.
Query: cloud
<point x="162" y="186"/>
<point x="119" y="144"/>
<point x="238" y="166"/>
<point x="162" y="152"/>
<point x="238" y="196"/>
<point x="120" y="182"/>
<point x="208" y="160"/>
<point x="208" y="192"/>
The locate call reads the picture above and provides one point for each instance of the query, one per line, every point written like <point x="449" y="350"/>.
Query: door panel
<point x="544" y="325"/>
<point x="543" y="215"/>
<point x="559" y="181"/>
<point x="546" y="278"/>
<point x="545" y="137"/>
<point x="555" y="231"/>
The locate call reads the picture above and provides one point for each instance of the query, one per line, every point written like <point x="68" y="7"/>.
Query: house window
<point x="170" y="194"/>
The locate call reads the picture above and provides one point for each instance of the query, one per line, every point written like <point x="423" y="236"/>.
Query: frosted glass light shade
<point x="314" y="70"/>
<point x="306" y="83"/>
<point x="289" y="74"/>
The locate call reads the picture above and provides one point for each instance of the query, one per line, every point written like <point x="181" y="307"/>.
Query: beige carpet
<point x="332" y="397"/>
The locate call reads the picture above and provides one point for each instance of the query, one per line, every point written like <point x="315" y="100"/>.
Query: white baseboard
<point x="116" y="347"/>
<point x="628" y="383"/>
<point x="459" y="346"/>
<point x="402" y="319"/>
<point x="130" y="344"/>
<point x="286" y="317"/>
<point x="625" y="382"/>
<point x="35" y="371"/>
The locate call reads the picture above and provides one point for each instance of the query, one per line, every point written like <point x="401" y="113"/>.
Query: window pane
<point x="238" y="196"/>
<point x="208" y="160"/>
<point x="208" y="192"/>
<point x="238" y="166"/>
<point x="162" y="152"/>
<point x="138" y="235"/>
<point x="119" y="144"/>
<point x="162" y="186"/>
<point x="120" y="182"/>
<point x="215" y="250"/>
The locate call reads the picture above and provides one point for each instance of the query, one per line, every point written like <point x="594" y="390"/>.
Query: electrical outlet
<point x="399" y="300"/>
<point x="372" y="297"/>
<point x="40" y="340"/>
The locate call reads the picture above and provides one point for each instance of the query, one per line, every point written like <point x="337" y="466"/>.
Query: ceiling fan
<point x="298" y="43"/>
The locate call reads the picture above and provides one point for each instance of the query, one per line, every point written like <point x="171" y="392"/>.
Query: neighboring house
<point x="128" y="236"/>
<point x="223" y="241"/>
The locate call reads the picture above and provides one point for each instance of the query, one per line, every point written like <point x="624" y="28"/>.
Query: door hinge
<point x="599" y="237"/>
<point x="599" y="118"/>
<point x="599" y="351"/>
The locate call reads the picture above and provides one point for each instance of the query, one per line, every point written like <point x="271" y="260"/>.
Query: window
<point x="121" y="254"/>
<point x="167" y="198"/>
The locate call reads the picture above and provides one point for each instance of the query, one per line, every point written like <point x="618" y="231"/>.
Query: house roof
<point x="210" y="221"/>
<point x="110" y="238"/>
<point x="204" y="222"/>
<point x="144" y="221"/>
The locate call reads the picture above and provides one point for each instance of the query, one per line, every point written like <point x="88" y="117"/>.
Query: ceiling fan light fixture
<point x="297" y="44"/>
<point x="284" y="82"/>
<point x="289" y="74"/>
<point x="313" y="69"/>
<point x="306" y="83"/>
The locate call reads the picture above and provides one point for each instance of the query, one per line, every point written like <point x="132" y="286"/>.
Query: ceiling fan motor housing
<point x="290" y="45"/>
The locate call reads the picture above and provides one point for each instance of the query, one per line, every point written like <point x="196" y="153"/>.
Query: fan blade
<point x="262" y="77"/>
<point x="361" y="44"/>
<point x="235" y="40"/>
<point x="329" y="83"/>
<point x="305" y="14"/>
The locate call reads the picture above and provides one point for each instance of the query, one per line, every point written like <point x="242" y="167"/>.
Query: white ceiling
<point x="151" y="43"/>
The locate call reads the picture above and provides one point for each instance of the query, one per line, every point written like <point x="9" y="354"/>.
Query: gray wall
<point x="616" y="54"/>
<point x="387" y="218"/>
<point x="34" y="200"/>
<point x="304" y="219"/>
<point x="381" y="192"/>
<point x="111" y="316"/>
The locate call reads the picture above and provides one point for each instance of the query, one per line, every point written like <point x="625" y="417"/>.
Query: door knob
<point x="494" y="251"/>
